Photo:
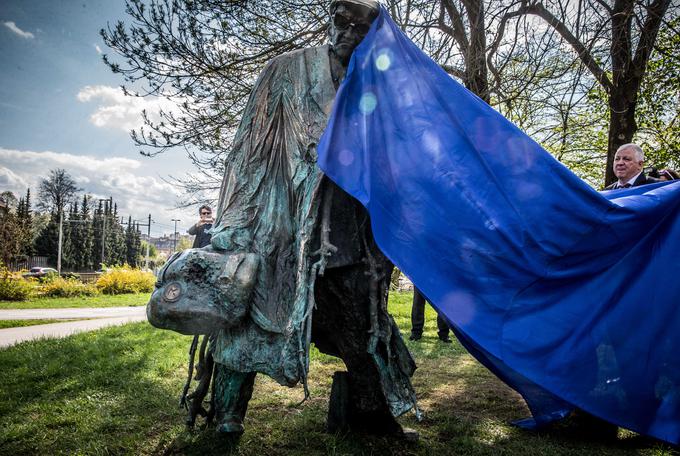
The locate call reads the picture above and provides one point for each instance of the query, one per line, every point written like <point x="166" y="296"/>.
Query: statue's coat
<point x="269" y="205"/>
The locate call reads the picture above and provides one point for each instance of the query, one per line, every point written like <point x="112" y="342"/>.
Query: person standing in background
<point x="201" y="227"/>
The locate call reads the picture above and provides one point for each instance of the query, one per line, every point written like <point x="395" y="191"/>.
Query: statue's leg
<point x="233" y="390"/>
<point x="340" y="327"/>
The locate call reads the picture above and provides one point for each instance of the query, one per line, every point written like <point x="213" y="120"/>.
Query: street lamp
<point x="174" y="243"/>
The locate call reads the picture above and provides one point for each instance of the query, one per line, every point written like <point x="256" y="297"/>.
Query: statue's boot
<point x="233" y="390"/>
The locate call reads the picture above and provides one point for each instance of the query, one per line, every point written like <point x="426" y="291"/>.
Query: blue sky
<point x="60" y="106"/>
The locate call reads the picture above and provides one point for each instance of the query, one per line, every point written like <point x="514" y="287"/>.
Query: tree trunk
<point x="476" y="72"/>
<point x="622" y="126"/>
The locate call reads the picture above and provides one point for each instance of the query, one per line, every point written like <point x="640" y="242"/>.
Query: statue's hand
<point x="326" y="250"/>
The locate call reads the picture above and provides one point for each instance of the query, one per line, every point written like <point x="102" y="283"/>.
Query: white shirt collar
<point x="629" y="181"/>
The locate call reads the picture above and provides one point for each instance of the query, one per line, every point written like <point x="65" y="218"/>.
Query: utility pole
<point x="174" y="243"/>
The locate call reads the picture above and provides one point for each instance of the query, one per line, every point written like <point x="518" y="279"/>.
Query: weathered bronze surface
<point x="292" y="259"/>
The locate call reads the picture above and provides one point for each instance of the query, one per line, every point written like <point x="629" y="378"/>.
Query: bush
<point x="121" y="280"/>
<point x="59" y="287"/>
<point x="13" y="287"/>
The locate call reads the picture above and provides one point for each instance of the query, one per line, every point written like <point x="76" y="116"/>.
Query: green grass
<point x="4" y="324"/>
<point x="116" y="392"/>
<point x="135" y="299"/>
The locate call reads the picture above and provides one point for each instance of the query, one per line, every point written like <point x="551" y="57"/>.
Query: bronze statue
<point x="292" y="259"/>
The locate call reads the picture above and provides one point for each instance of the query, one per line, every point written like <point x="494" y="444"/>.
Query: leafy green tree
<point x="658" y="111"/>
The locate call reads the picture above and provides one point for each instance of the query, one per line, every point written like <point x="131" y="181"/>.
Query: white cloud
<point x="12" y="182"/>
<point x="117" y="110"/>
<point x="98" y="49"/>
<point x="13" y="27"/>
<point x="132" y="183"/>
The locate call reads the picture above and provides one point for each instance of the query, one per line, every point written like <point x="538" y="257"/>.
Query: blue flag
<point x="570" y="296"/>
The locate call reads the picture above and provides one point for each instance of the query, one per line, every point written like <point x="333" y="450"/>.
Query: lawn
<point x="116" y="392"/>
<point x="122" y="300"/>
<point x="4" y="324"/>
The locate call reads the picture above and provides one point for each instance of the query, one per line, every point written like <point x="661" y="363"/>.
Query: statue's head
<point x="350" y="21"/>
<point x="200" y="291"/>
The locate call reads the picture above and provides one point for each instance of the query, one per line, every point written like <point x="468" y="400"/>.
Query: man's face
<point x="206" y="214"/>
<point x="626" y="165"/>
<point x="349" y="25"/>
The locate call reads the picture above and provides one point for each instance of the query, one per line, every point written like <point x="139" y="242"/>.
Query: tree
<point x="98" y="230"/>
<point x="56" y="191"/>
<point x="10" y="230"/>
<point x="85" y="235"/>
<point x="658" y="110"/>
<point x="25" y="220"/>
<point x="204" y="56"/>
<point x="47" y="242"/>
<point x="614" y="39"/>
<point x="132" y="243"/>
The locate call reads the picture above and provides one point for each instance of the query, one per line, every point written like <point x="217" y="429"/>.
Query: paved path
<point x="71" y="313"/>
<point x="101" y="317"/>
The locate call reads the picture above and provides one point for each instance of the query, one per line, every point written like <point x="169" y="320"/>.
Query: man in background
<point x="418" y="319"/>
<point x="201" y="227"/>
<point x="628" y="168"/>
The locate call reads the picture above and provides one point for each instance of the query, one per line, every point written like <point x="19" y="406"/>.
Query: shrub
<point x="59" y="287"/>
<point x="121" y="280"/>
<point x="13" y="287"/>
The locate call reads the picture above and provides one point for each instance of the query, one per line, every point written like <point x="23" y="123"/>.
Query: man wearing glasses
<point x="201" y="227"/>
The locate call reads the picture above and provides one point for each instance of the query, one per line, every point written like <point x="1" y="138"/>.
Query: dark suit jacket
<point x="202" y="238"/>
<point x="642" y="179"/>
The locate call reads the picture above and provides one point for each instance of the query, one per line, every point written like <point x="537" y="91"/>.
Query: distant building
<point x="164" y="244"/>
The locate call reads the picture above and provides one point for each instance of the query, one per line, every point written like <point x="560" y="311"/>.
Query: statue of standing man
<point x="293" y="259"/>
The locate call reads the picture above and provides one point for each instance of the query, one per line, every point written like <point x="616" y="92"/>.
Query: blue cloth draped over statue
<point x="569" y="295"/>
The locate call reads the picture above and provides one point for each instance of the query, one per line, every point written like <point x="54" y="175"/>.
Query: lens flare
<point x="346" y="157"/>
<point x="368" y="103"/>
<point x="383" y="61"/>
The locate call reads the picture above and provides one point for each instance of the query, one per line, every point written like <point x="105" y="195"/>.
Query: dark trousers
<point x="418" y="317"/>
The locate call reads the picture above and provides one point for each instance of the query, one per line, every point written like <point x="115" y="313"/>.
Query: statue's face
<point x="349" y="25"/>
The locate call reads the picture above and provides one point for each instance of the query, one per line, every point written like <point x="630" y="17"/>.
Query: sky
<point x="61" y="107"/>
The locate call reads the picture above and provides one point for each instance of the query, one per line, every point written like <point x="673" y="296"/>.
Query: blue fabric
<point x="568" y="295"/>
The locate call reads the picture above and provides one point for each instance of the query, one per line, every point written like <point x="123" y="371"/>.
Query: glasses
<point x="343" y="23"/>
<point x="206" y="213"/>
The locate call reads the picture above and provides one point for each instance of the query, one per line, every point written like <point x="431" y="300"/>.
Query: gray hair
<point x="639" y="153"/>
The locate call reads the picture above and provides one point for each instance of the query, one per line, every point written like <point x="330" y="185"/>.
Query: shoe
<point x="446" y="340"/>
<point x="415" y="336"/>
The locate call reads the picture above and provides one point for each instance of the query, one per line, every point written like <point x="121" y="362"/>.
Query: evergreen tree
<point x="130" y="254"/>
<point x="47" y="242"/>
<point x="115" y="238"/>
<point x="67" y="242"/>
<point x="10" y="229"/>
<point x="99" y="231"/>
<point x="85" y="258"/>
<point x="25" y="216"/>
<point x="138" y="245"/>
